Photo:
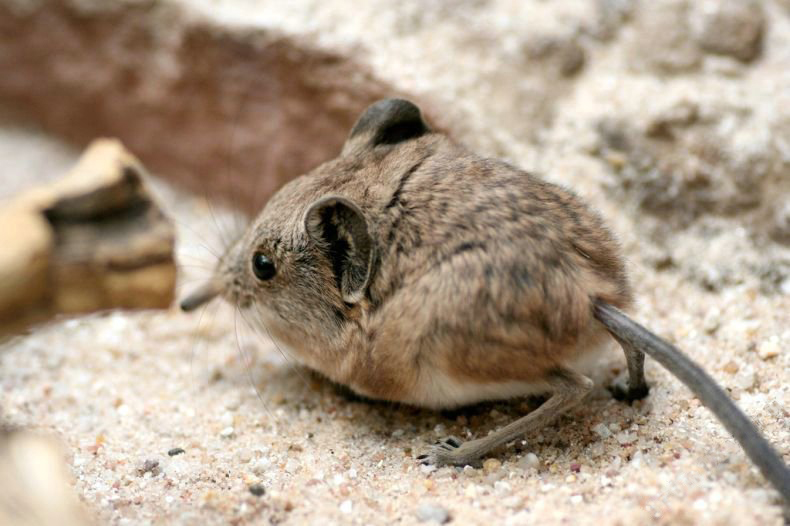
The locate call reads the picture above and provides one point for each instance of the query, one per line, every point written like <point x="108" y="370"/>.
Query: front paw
<point x="447" y="452"/>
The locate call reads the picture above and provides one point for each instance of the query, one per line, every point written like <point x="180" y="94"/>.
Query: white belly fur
<point x="436" y="390"/>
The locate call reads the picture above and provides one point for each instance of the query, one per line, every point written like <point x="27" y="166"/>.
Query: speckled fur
<point x="482" y="275"/>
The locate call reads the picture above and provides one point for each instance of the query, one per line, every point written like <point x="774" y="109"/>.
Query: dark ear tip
<point x="396" y="106"/>
<point x="388" y="114"/>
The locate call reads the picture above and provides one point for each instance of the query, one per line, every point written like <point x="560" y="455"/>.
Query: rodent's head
<point x="305" y="263"/>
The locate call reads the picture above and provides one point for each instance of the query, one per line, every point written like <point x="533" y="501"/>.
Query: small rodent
<point x="410" y="269"/>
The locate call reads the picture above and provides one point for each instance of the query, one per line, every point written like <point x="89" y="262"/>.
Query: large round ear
<point x="340" y="228"/>
<point x="387" y="121"/>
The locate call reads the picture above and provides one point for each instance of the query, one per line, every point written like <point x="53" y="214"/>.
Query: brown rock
<point x="679" y="169"/>
<point x="725" y="27"/>
<point x="92" y="240"/>
<point x="564" y="54"/>
<point x="234" y="112"/>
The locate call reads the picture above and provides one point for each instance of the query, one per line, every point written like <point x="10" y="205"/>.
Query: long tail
<point x="705" y="388"/>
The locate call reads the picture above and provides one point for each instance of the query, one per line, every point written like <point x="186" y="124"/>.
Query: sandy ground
<point x="127" y="392"/>
<point x="123" y="390"/>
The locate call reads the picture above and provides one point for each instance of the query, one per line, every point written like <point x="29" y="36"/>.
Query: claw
<point x="441" y="453"/>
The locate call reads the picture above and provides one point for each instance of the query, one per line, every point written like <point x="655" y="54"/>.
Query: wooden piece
<point x="91" y="241"/>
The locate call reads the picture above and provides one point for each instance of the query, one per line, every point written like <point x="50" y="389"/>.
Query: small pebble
<point x="149" y="466"/>
<point x="768" y="349"/>
<point x="227" y="432"/>
<point x="347" y="506"/>
<point x="227" y="420"/>
<point x="175" y="451"/>
<point x="257" y="489"/>
<point x="731" y="367"/>
<point x="746" y="380"/>
<point x="233" y="402"/>
<point x="427" y="469"/>
<point x="261" y="465"/>
<point x="491" y="465"/>
<point x="712" y="321"/>
<point x="602" y="431"/>
<point x="530" y="460"/>
<point x="502" y="488"/>
<point x="576" y="467"/>
<point x="430" y="512"/>
<point x="596" y="449"/>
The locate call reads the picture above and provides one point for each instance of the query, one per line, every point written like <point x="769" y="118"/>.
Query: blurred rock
<point x="727" y="27"/>
<point x="704" y="173"/>
<point x="680" y="167"/>
<point x="217" y="109"/>
<point x="672" y="36"/>
<point x="661" y="38"/>
<point x="610" y="15"/>
<point x="36" y="485"/>
<point x="93" y="240"/>
<point x="781" y="222"/>
<point x="564" y="55"/>
<point x="430" y="512"/>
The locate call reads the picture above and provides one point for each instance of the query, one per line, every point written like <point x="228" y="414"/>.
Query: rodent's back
<point x="487" y="266"/>
<point x="454" y="203"/>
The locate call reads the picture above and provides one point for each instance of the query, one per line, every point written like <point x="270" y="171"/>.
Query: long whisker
<point x="225" y="237"/>
<point x="248" y="358"/>
<point x="195" y="339"/>
<point x="200" y="239"/>
<point x="289" y="359"/>
<point x="202" y="266"/>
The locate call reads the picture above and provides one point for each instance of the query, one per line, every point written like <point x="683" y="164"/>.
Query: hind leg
<point x="568" y="388"/>
<point x="636" y="387"/>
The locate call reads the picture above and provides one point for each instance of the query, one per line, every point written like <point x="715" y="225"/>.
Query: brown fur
<point x="480" y="270"/>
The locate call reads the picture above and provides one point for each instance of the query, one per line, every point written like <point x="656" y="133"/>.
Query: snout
<point x="201" y="296"/>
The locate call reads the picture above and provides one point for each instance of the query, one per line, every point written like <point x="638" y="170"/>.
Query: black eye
<point x="263" y="267"/>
